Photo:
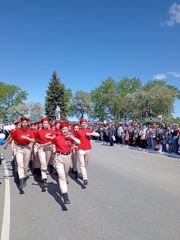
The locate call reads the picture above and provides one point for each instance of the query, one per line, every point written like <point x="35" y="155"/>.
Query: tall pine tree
<point x="56" y="96"/>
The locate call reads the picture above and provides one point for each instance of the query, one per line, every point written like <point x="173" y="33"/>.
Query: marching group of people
<point x="59" y="145"/>
<point x="158" y="137"/>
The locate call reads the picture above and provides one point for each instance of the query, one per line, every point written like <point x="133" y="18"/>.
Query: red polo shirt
<point x="85" y="140"/>
<point x="62" y="144"/>
<point x="18" y="133"/>
<point x="41" y="134"/>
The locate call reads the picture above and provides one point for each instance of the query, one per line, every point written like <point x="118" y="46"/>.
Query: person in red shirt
<point x="75" y="152"/>
<point x="35" y="157"/>
<point x="22" y="137"/>
<point x="84" y="147"/>
<point x="44" y="152"/>
<point x="62" y="161"/>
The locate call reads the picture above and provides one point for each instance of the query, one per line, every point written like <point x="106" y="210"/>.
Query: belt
<point x="22" y="145"/>
<point x="68" y="153"/>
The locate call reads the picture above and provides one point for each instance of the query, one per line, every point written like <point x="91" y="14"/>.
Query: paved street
<point x="131" y="195"/>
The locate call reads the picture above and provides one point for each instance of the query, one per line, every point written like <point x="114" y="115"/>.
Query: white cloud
<point x="174" y="74"/>
<point x="160" y="76"/>
<point x="174" y="15"/>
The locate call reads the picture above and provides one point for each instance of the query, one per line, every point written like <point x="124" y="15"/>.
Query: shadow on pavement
<point x="53" y="190"/>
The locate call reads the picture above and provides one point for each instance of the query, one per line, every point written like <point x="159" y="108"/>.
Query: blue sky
<point x="86" y="41"/>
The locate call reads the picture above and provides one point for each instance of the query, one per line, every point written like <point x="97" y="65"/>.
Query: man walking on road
<point x="84" y="147"/>
<point x="22" y="137"/>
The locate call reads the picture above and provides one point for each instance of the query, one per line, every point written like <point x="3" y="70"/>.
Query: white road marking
<point x="6" y="215"/>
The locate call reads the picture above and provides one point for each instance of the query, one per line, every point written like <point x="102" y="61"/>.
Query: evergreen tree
<point x="56" y="96"/>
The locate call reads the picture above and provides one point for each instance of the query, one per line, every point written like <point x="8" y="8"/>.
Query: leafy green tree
<point x="36" y="111"/>
<point x="17" y="111"/>
<point x="81" y="104"/>
<point x="111" y="100"/>
<point x="102" y="100"/>
<point x="160" y="97"/>
<point x="127" y="86"/>
<point x="57" y="95"/>
<point x="33" y="110"/>
<point x="10" y="95"/>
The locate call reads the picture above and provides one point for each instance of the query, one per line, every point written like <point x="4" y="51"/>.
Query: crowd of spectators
<point x="155" y="136"/>
<point x="158" y="137"/>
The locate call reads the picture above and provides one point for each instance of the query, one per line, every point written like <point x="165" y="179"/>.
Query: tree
<point x="10" y="95"/>
<point x="160" y="97"/>
<point x="57" y="95"/>
<point x="81" y="104"/>
<point x="102" y="100"/>
<point x="33" y="110"/>
<point x="36" y="111"/>
<point x="111" y="98"/>
<point x="126" y="86"/>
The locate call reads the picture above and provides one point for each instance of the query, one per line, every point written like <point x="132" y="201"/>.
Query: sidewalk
<point x="173" y="155"/>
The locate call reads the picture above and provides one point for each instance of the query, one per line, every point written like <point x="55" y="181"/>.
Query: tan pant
<point x="23" y="154"/>
<point x="74" y="161"/>
<point x="62" y="164"/>
<point x="36" y="161"/>
<point x="83" y="160"/>
<point x="44" y="154"/>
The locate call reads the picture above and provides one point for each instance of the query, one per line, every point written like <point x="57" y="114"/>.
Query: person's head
<point x="57" y="124"/>
<point x="33" y="125"/>
<point x="24" y="122"/>
<point x="76" y="126"/>
<point x="83" y="123"/>
<point x="52" y="126"/>
<point x="64" y="128"/>
<point x="45" y="123"/>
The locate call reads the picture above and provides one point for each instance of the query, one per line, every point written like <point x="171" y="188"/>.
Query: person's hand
<point x="24" y="137"/>
<point x="69" y="135"/>
<point x="88" y="134"/>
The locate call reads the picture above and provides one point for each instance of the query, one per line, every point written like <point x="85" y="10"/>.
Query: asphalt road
<point x="131" y="195"/>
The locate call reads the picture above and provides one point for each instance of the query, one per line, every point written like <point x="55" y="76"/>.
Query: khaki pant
<point x="62" y="164"/>
<point x="83" y="160"/>
<point x="36" y="161"/>
<point x="23" y="154"/>
<point x="44" y="154"/>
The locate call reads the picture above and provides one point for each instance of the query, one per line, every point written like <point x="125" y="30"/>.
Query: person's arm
<point x="8" y="141"/>
<point x="28" y="138"/>
<point x="94" y="134"/>
<point x="43" y="144"/>
<point x="76" y="140"/>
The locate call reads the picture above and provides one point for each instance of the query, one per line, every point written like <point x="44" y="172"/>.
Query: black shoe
<point x="66" y="198"/>
<point x="44" y="183"/>
<point x="22" y="183"/>
<point x="85" y="182"/>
